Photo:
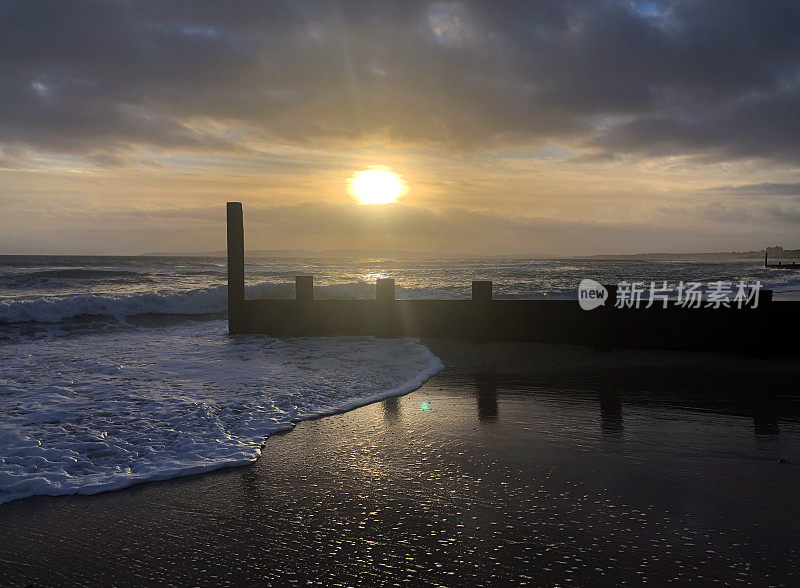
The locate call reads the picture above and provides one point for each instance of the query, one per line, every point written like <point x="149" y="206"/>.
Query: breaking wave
<point x="99" y="412"/>
<point x="201" y="301"/>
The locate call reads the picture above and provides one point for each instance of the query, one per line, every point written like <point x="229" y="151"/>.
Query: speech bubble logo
<point x="591" y="294"/>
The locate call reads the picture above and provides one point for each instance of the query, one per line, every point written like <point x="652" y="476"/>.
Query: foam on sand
<point x="87" y="414"/>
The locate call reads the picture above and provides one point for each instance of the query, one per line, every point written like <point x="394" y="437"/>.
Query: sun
<point x="377" y="185"/>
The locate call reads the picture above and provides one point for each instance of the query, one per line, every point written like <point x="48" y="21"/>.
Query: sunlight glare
<point x="377" y="185"/>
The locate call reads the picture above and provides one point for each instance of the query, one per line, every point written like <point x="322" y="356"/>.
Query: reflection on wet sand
<point x="764" y="407"/>
<point x="544" y="473"/>
<point x="391" y="409"/>
<point x="611" y="412"/>
<point x="765" y="415"/>
<point x="486" y="394"/>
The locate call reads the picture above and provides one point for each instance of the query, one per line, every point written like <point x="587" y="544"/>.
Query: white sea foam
<point x="54" y="309"/>
<point x="210" y="300"/>
<point x="92" y="413"/>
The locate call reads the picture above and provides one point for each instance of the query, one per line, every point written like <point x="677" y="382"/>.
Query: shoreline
<point x="517" y="462"/>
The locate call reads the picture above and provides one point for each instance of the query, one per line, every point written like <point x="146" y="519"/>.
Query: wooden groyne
<point x="770" y="328"/>
<point x="780" y="264"/>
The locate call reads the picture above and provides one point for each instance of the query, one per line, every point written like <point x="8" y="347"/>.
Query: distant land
<point x="774" y="253"/>
<point x="327" y="254"/>
<point x="719" y="256"/>
<point x="756" y="255"/>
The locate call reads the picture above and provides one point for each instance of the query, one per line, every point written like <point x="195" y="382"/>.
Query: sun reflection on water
<point x="373" y="277"/>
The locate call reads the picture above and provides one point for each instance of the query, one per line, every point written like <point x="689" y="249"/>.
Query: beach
<point x="518" y="463"/>
<point x="432" y="293"/>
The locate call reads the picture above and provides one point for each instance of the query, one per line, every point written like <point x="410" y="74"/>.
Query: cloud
<point x="762" y="189"/>
<point x="321" y="226"/>
<point x="711" y="211"/>
<point x="784" y="215"/>
<point x="105" y="80"/>
<point x="13" y="157"/>
<point x="764" y="126"/>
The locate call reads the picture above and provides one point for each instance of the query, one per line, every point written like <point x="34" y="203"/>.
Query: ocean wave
<point x="52" y="279"/>
<point x="81" y="274"/>
<point x="99" y="412"/>
<point x="201" y="301"/>
<point x="212" y="300"/>
<point x="54" y="309"/>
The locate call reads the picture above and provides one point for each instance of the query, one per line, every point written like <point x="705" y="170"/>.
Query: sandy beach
<point x="526" y="464"/>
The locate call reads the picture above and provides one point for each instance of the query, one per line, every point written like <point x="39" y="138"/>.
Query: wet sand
<point x="517" y="464"/>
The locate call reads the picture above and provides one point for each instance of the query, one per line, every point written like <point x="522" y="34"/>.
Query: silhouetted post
<point x="481" y="299"/>
<point x="758" y="324"/>
<point x="235" y="267"/>
<point x="481" y="290"/>
<point x="766" y="255"/>
<point x="384" y="295"/>
<point x="304" y="288"/>
<point x="384" y="290"/>
<point x="612" y="296"/>
<point x="605" y="324"/>
<point x="768" y="343"/>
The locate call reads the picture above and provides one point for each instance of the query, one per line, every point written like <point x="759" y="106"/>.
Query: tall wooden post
<point x="235" y="267"/>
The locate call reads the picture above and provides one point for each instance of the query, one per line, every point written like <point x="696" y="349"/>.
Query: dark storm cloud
<point x="716" y="79"/>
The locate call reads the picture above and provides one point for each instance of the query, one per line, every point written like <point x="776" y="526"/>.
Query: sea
<point x="119" y="370"/>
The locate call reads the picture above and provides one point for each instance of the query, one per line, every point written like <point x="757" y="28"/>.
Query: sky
<point x="543" y="128"/>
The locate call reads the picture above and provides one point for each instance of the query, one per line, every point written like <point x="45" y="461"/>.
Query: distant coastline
<point x="755" y="255"/>
<point x="719" y="256"/>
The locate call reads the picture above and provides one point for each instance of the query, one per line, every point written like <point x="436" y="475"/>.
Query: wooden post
<point x="235" y="267"/>
<point x="612" y="296"/>
<point x="605" y="321"/>
<point x="769" y="322"/>
<point x="384" y="289"/>
<point x="759" y="325"/>
<point x="481" y="299"/>
<point x="304" y="288"/>
<point x="481" y="290"/>
<point x="385" y="316"/>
